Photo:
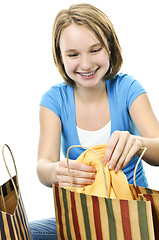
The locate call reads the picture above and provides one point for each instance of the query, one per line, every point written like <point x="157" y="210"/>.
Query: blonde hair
<point x="97" y="22"/>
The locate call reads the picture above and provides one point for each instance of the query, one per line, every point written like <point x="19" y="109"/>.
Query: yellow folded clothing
<point x="117" y="183"/>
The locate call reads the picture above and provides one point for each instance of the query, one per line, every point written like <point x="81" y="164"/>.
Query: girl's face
<point x="85" y="60"/>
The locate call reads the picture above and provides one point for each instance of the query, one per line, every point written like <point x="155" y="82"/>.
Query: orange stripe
<point x="154" y="214"/>
<point x="97" y="218"/>
<point x="74" y="215"/>
<point x="125" y="215"/>
<point x="58" y="205"/>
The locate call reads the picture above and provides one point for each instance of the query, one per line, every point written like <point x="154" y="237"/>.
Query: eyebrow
<point x="96" y="45"/>
<point x="93" y="46"/>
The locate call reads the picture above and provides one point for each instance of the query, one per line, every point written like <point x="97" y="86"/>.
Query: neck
<point x="90" y="94"/>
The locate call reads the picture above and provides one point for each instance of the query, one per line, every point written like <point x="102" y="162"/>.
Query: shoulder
<point x="60" y="88"/>
<point x="56" y="97"/>
<point x="125" y="83"/>
<point x="122" y="80"/>
<point x="125" y="87"/>
<point x="57" y="92"/>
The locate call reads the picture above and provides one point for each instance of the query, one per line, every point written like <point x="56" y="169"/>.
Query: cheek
<point x="102" y="59"/>
<point x="105" y="63"/>
<point x="70" y="66"/>
<point x="105" y="59"/>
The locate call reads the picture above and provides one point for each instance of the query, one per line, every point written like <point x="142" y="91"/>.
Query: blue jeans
<point x="44" y="229"/>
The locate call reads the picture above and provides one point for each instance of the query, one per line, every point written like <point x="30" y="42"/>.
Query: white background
<point x="27" y="71"/>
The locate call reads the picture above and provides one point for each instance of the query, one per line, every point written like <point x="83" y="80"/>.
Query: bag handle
<point x="15" y="187"/>
<point x="3" y="201"/>
<point x="143" y="152"/>
<point x="105" y="182"/>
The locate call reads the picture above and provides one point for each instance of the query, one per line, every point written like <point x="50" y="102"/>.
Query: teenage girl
<point x="95" y="104"/>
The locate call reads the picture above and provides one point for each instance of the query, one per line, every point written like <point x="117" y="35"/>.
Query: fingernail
<point x="110" y="167"/>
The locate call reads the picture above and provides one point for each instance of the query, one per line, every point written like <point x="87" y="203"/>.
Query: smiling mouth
<point x="88" y="74"/>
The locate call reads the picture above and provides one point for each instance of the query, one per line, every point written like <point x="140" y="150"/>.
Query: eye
<point x="73" y="55"/>
<point x="96" y="50"/>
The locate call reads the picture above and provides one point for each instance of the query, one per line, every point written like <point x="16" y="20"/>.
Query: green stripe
<point x="143" y="224"/>
<point x="66" y="214"/>
<point x="85" y="215"/>
<point x="149" y="191"/>
<point x="141" y="198"/>
<point x="111" y="219"/>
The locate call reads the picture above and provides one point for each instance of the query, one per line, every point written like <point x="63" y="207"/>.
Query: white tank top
<point x="91" y="138"/>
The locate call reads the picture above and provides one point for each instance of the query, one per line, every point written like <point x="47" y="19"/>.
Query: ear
<point x="110" y="54"/>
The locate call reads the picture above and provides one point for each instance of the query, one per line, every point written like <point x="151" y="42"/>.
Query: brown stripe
<point x="74" y="216"/>
<point x="97" y="218"/>
<point x="58" y="205"/>
<point x="21" y="215"/>
<point x="14" y="227"/>
<point x="154" y="214"/>
<point x="18" y="216"/>
<point x="10" y="226"/>
<point x="137" y="190"/>
<point x="17" y="225"/>
<point x="125" y="215"/>
<point x="24" y="218"/>
<point x="2" y="230"/>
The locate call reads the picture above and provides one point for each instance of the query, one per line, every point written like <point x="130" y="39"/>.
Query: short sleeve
<point x="52" y="100"/>
<point x="135" y="89"/>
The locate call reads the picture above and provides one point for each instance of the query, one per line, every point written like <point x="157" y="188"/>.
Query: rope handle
<point x="14" y="185"/>
<point x="135" y="170"/>
<point x="105" y="182"/>
<point x="3" y="201"/>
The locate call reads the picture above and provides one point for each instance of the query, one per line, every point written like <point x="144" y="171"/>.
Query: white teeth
<point x="88" y="74"/>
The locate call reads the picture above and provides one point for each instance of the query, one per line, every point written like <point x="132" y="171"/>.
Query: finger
<point x="131" y="148"/>
<point x="77" y="166"/>
<point x="78" y="182"/>
<point x="63" y="185"/>
<point x="118" y="151"/>
<point x="81" y="167"/>
<point x="135" y="148"/>
<point x="125" y="153"/>
<point x="76" y="173"/>
<point x="111" y="146"/>
<point x="82" y="174"/>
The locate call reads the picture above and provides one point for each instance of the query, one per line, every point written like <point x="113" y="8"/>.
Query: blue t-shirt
<point x="122" y="90"/>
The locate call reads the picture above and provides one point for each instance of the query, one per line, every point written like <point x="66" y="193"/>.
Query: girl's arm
<point x="49" y="168"/>
<point x="148" y="128"/>
<point x="49" y="146"/>
<point x="123" y="146"/>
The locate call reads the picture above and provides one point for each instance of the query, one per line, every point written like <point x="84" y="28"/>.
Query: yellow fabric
<point x="117" y="183"/>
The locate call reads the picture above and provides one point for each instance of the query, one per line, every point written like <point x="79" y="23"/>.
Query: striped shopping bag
<point x="147" y="194"/>
<point x="13" y="220"/>
<point x="82" y="216"/>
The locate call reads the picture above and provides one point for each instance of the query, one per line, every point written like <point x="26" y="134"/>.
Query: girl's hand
<point x="81" y="174"/>
<point x="120" y="149"/>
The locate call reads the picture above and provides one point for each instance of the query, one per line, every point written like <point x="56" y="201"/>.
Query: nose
<point x="85" y="63"/>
